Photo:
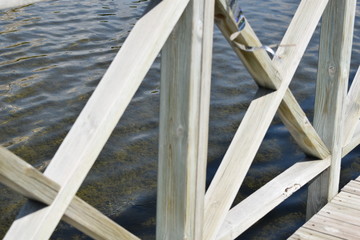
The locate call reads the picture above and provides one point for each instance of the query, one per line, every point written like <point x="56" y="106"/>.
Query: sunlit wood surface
<point x="339" y="219"/>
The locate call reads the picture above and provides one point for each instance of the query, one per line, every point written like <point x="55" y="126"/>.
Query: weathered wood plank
<point x="309" y="234"/>
<point x="333" y="227"/>
<point x="236" y="162"/>
<point x="341" y="212"/>
<point x="254" y="207"/>
<point x="16" y="3"/>
<point x="352" y="111"/>
<point x="347" y="199"/>
<point x="340" y="217"/>
<point x="300" y="127"/>
<point x="204" y="112"/>
<point x="331" y="88"/>
<point x="352" y="187"/>
<point x="299" y="33"/>
<point x="262" y="70"/>
<point x="91" y="130"/>
<point x="317" y="194"/>
<point x="184" y="115"/>
<point x="23" y="178"/>
<point x="256" y="121"/>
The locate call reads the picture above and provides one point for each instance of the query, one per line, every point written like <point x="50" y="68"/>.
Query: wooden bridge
<point x="185" y="209"/>
<point x="339" y="219"/>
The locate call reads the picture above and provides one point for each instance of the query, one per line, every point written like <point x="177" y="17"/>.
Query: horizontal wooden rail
<point x="16" y="3"/>
<point x="97" y="120"/>
<point x="261" y="68"/>
<point x="26" y="180"/>
<point x="257" y="119"/>
<point x="254" y="207"/>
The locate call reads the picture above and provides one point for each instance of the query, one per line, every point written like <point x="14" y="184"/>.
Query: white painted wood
<point x="91" y="130"/>
<point x="16" y="3"/>
<point x="257" y="119"/>
<point x="352" y="111"/>
<point x="262" y="70"/>
<point x="26" y="180"/>
<point x="331" y="89"/>
<point x="184" y="116"/>
<point x="254" y="207"/>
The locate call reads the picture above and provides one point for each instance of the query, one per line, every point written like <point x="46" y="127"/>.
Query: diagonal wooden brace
<point x="99" y="117"/>
<point x="262" y="69"/>
<point x="26" y="180"/>
<point x="246" y="142"/>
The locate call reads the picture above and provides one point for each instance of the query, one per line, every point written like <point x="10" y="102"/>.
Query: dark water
<point x="52" y="56"/>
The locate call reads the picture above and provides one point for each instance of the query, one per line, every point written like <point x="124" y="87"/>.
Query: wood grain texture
<point x="317" y="194"/>
<point x="342" y="213"/>
<point x="257" y="119"/>
<point x="254" y="207"/>
<point x="334" y="227"/>
<point x="260" y="67"/>
<point x="26" y="180"/>
<point x="352" y="109"/>
<point x="309" y="234"/>
<point x="184" y="117"/>
<point x="347" y="199"/>
<point x="340" y="218"/>
<point x="352" y="187"/>
<point x="91" y="130"/>
<point x="331" y="88"/>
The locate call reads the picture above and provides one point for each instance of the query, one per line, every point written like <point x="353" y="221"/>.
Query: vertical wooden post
<point x="184" y="114"/>
<point x="331" y="88"/>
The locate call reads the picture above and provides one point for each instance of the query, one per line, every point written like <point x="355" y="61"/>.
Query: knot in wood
<point x="332" y="70"/>
<point x="290" y="190"/>
<point x="180" y="131"/>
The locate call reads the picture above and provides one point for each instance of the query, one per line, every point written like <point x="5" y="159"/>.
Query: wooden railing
<point x="182" y="30"/>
